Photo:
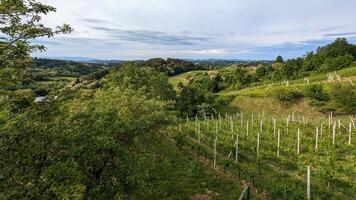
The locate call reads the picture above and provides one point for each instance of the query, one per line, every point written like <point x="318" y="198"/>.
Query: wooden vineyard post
<point x="350" y="131"/>
<point x="196" y="124"/>
<point x="261" y="127"/>
<point x="232" y="127"/>
<point x="220" y="121"/>
<point x="334" y="133"/>
<point x="316" y="137"/>
<point x="274" y="127"/>
<point x="308" y="182"/>
<point x="298" y="144"/>
<point x="278" y="142"/>
<point x="329" y="121"/>
<point x="247" y="128"/>
<point x="237" y="149"/>
<point x="258" y="143"/>
<point x="352" y="121"/>
<point x="321" y="130"/>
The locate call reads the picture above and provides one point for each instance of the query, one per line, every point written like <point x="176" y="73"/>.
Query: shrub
<point x="205" y="109"/>
<point x="224" y="100"/>
<point x="316" y="92"/>
<point x="287" y="95"/>
<point x="337" y="63"/>
<point x="189" y="100"/>
<point x="344" y="96"/>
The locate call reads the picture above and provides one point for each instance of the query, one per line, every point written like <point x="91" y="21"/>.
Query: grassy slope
<point x="192" y="166"/>
<point x="183" y="78"/>
<point x="281" y="177"/>
<point x="182" y="175"/>
<point x="259" y="98"/>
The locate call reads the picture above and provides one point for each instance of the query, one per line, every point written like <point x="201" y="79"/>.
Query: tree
<point x="242" y="77"/>
<point x="20" y="22"/>
<point x="339" y="47"/>
<point x="189" y="100"/>
<point x="292" y="67"/>
<point x="316" y="92"/>
<point x="279" y="59"/>
<point x="80" y="147"/>
<point x="261" y="72"/>
<point x="344" y="97"/>
<point x="132" y="76"/>
<point x="337" y="63"/>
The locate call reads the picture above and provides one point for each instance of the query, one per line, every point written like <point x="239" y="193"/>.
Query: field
<point x="274" y="166"/>
<point x="262" y="89"/>
<point x="184" y="78"/>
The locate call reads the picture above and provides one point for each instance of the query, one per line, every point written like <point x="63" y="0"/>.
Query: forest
<point x="172" y="128"/>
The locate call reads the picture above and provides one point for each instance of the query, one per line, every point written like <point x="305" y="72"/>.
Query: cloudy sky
<point x="235" y="29"/>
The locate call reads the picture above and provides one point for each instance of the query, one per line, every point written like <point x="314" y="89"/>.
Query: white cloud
<point x="192" y="28"/>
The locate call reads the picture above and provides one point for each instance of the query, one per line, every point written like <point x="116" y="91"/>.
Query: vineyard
<point x="273" y="152"/>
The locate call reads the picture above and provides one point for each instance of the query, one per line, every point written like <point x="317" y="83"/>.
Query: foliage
<point x="344" y="97"/>
<point x="287" y="95"/>
<point x="82" y="147"/>
<point x="223" y="100"/>
<point x="171" y="66"/>
<point x="189" y="100"/>
<point x="316" y="92"/>
<point x="21" y="21"/>
<point x="70" y="68"/>
<point x="261" y="72"/>
<point x="147" y="80"/>
<point x="337" y="63"/>
<point x="279" y="59"/>
<point x="205" y="109"/>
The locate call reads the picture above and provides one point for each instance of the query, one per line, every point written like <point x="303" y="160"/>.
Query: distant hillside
<point x="171" y="66"/>
<point x="71" y="68"/>
<point x="85" y="59"/>
<point x="223" y="62"/>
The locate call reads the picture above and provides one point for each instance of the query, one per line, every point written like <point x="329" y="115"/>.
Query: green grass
<point x="183" y="78"/>
<point x="263" y="88"/>
<point x="260" y="98"/>
<point x="282" y="177"/>
<point x="181" y="175"/>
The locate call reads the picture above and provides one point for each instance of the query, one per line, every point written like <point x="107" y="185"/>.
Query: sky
<point x="197" y="29"/>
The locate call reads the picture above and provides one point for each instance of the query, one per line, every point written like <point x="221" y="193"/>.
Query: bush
<point x="316" y="92"/>
<point x="287" y="95"/>
<point x="205" y="109"/>
<point x="224" y="100"/>
<point x="189" y="100"/>
<point x="344" y="96"/>
<point x="337" y="63"/>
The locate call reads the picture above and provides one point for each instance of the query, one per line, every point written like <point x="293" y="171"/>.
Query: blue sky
<point x="235" y="29"/>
